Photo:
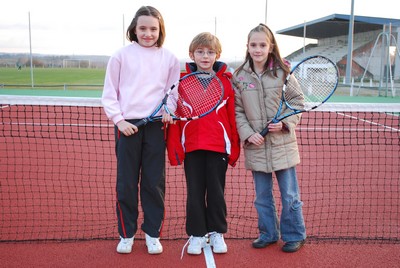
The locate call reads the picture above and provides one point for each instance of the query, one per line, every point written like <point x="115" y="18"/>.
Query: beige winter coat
<point x="257" y="100"/>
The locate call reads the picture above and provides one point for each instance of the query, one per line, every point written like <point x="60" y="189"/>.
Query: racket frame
<point x="278" y="117"/>
<point x="153" y="117"/>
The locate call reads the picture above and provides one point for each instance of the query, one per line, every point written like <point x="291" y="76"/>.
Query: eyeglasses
<point x="201" y="53"/>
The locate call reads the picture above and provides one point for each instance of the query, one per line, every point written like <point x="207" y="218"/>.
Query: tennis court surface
<point x="57" y="173"/>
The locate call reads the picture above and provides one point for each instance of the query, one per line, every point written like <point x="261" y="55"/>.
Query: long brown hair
<point x="274" y="57"/>
<point x="146" y="11"/>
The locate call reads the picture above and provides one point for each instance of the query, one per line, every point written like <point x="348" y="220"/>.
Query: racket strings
<point x="294" y="97"/>
<point x="317" y="78"/>
<point x="198" y="95"/>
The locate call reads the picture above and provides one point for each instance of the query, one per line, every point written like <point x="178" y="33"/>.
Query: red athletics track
<point x="240" y="254"/>
<point x="51" y="173"/>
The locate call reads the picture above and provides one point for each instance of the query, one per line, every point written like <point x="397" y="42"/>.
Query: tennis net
<point x="58" y="168"/>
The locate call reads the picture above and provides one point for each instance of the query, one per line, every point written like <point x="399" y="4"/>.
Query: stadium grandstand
<point x="375" y="44"/>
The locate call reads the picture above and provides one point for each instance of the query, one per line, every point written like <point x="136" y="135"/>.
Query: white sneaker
<point x="218" y="243"/>
<point x="125" y="245"/>
<point x="153" y="245"/>
<point x="196" y="243"/>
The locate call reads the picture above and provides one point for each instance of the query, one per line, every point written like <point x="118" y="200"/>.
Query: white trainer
<point x="125" y="245"/>
<point x="196" y="244"/>
<point x="153" y="245"/>
<point x="218" y="243"/>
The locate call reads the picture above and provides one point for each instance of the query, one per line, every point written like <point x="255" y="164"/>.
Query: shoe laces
<point x="184" y="246"/>
<point x="126" y="241"/>
<point x="217" y="238"/>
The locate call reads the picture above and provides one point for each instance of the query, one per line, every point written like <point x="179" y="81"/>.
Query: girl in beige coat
<point x="258" y="86"/>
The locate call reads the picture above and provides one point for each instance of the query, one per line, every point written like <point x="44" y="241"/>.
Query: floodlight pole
<point x="123" y="30"/>
<point x="30" y="48"/>
<point x="350" y="45"/>
<point x="304" y="37"/>
<point x="215" y="26"/>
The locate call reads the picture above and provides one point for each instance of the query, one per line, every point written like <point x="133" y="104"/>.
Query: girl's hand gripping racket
<point x="309" y="84"/>
<point x="199" y="94"/>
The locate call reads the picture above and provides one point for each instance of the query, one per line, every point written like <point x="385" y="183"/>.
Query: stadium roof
<point x="337" y="25"/>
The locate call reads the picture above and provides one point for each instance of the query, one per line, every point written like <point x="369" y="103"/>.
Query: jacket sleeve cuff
<point x="117" y="119"/>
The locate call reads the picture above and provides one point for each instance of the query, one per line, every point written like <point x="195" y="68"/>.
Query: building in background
<point x="375" y="45"/>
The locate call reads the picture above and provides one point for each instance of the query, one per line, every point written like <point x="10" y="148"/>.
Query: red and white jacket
<point x="214" y="132"/>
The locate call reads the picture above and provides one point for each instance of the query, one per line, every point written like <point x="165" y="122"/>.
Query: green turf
<point x="51" y="76"/>
<point x="365" y="99"/>
<point x="71" y="82"/>
<point x="52" y="92"/>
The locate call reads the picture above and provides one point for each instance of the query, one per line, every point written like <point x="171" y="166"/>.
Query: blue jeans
<point x="291" y="226"/>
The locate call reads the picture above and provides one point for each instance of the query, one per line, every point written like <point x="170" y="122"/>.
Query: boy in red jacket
<point x="206" y="146"/>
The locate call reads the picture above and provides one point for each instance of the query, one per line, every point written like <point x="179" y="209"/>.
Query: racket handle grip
<point x="141" y="122"/>
<point x="264" y="132"/>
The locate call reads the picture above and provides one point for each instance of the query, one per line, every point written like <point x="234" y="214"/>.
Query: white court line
<point x="369" y="122"/>
<point x="57" y="124"/>
<point x="379" y="127"/>
<point x="340" y="129"/>
<point x="209" y="257"/>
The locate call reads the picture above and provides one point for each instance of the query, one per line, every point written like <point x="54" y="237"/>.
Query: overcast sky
<point x="93" y="27"/>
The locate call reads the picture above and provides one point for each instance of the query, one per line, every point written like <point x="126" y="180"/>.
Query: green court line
<point x="97" y="94"/>
<point x="52" y="92"/>
<point x="365" y="99"/>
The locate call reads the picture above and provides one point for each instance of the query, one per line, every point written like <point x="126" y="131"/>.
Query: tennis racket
<point x="308" y="85"/>
<point x="199" y="93"/>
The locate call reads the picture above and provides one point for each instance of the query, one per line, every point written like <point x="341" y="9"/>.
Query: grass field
<point x="52" y="82"/>
<point x="52" y="76"/>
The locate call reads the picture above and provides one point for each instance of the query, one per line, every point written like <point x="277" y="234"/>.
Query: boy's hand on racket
<point x="167" y="118"/>
<point x="127" y="128"/>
